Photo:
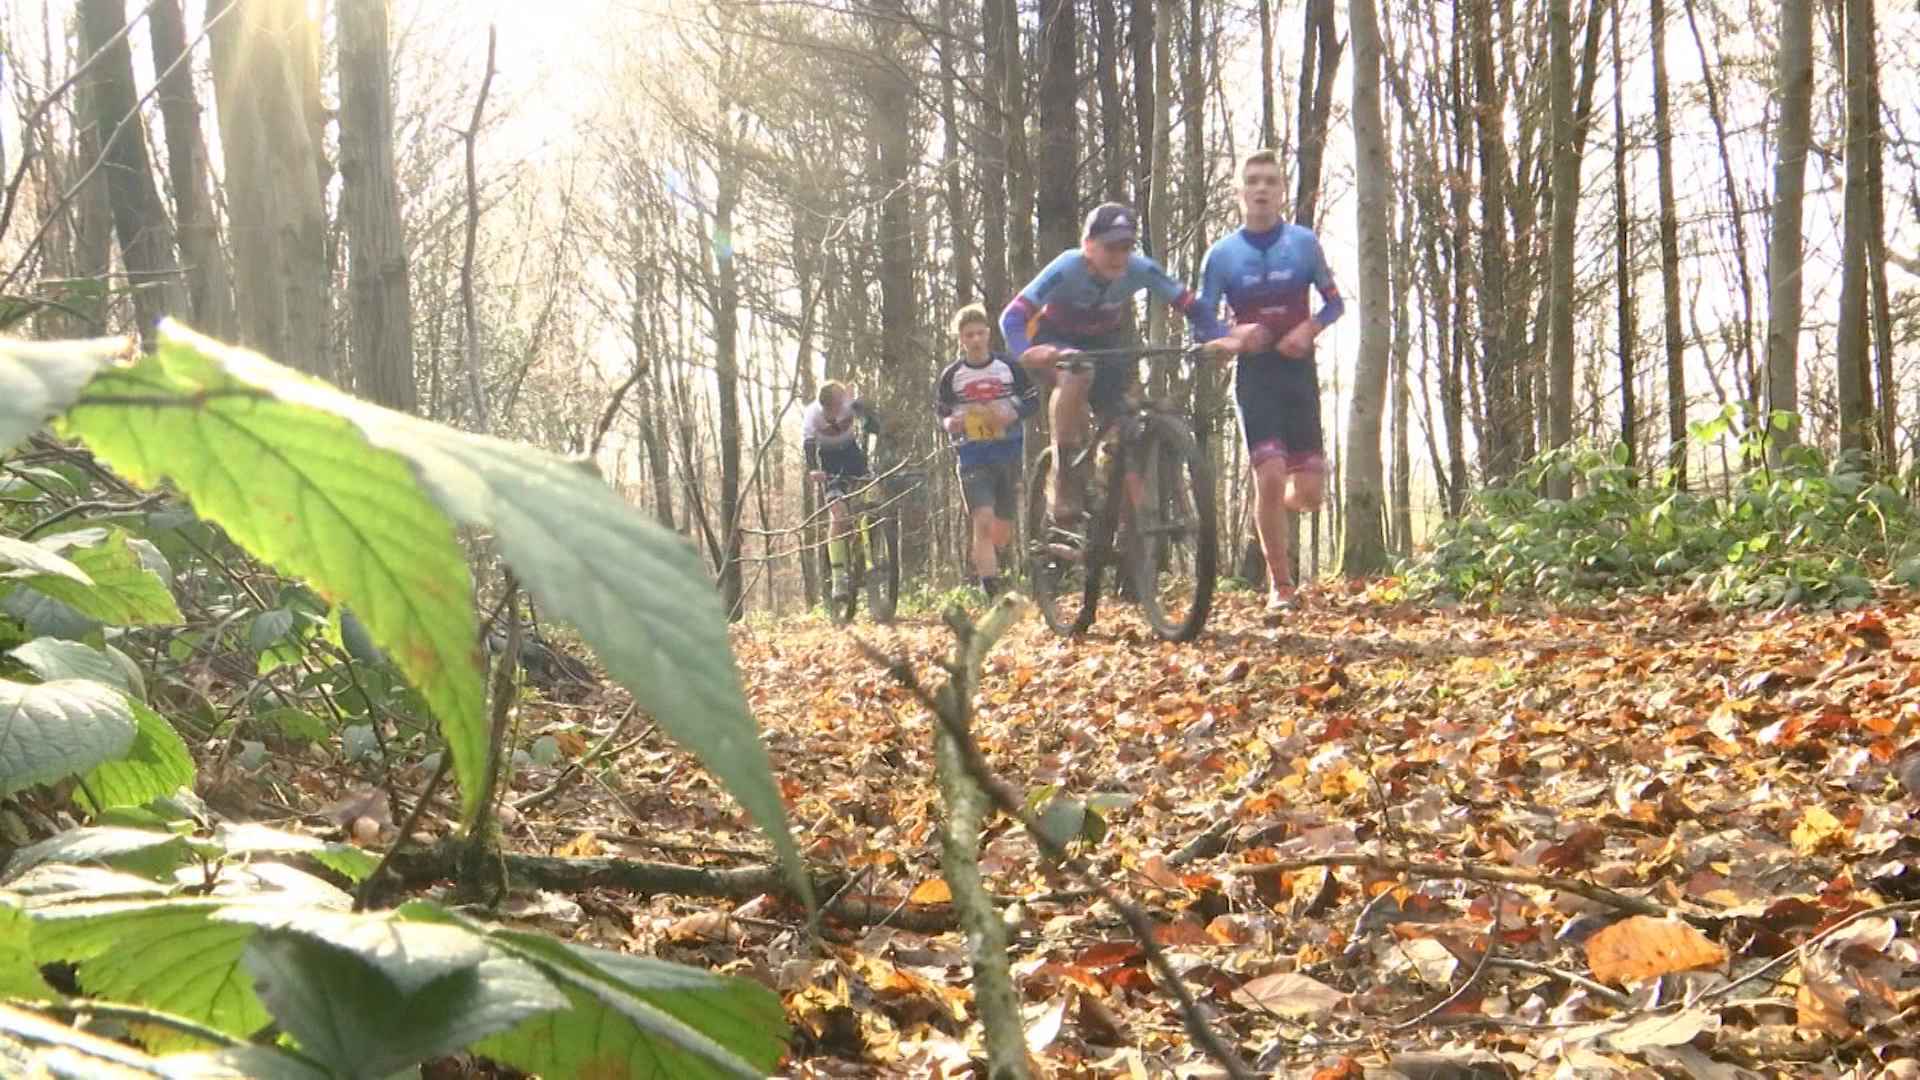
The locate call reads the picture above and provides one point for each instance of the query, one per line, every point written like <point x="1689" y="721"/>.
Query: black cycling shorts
<point x="845" y="466"/>
<point x="1279" y="404"/>
<point x="991" y="483"/>
<point x="1111" y="381"/>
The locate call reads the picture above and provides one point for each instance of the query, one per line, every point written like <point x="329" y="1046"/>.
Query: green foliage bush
<point x="1805" y="530"/>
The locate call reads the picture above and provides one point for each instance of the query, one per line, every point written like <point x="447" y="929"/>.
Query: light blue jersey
<point x="1264" y="278"/>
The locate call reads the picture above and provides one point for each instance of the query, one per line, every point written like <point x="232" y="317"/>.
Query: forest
<point x="423" y="629"/>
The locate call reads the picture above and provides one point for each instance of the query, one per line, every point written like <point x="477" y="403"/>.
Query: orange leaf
<point x="1642" y="947"/>
<point x="931" y="891"/>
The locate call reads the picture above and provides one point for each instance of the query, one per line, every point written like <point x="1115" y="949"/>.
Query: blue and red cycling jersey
<point x="1068" y="302"/>
<point x="1265" y="276"/>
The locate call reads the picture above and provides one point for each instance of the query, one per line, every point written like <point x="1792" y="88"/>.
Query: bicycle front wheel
<point x="883" y="569"/>
<point x="1173" y="555"/>
<point x="842" y="600"/>
<point x="1056" y="560"/>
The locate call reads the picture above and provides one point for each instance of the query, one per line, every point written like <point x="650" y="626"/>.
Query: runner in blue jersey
<point x="981" y="398"/>
<point x="1081" y="301"/>
<point x="1264" y="271"/>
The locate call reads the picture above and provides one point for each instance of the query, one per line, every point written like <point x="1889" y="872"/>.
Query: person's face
<point x="973" y="340"/>
<point x="834" y="403"/>
<point x="1260" y="194"/>
<point x="1108" y="257"/>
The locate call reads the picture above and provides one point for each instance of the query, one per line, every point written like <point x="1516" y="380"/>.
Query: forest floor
<point x="1676" y="817"/>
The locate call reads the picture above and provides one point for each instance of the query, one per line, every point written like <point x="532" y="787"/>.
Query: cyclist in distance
<point x="833" y="439"/>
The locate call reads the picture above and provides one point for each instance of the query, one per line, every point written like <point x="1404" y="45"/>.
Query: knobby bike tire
<point x="1170" y="458"/>
<point x="883" y="570"/>
<point x="1055" y="581"/>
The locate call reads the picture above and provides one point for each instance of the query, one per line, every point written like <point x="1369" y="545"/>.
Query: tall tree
<point x="139" y="218"/>
<point x="1113" y="116"/>
<point x="1364" y="550"/>
<point x="1059" y="144"/>
<point x="378" y="280"/>
<point x="1013" y="98"/>
<point x="1622" y="254"/>
<point x="1501" y="436"/>
<point x="1269" y="136"/>
<point x="996" y="119"/>
<point x="1794" y="72"/>
<point x="1319" y="63"/>
<point x="209" y="284"/>
<point x="264" y="76"/>
<point x="1669" y="254"/>
<point x="959" y="219"/>
<point x="1566" y="207"/>
<point x="1854" y="370"/>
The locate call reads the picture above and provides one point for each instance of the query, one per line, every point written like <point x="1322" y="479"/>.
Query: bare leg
<point x="984" y="562"/>
<point x="1068" y="411"/>
<point x="1270" y="520"/>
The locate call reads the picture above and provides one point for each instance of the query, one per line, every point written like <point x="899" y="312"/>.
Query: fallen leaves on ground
<point x="1740" y="772"/>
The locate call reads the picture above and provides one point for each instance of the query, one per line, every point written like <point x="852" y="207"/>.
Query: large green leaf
<point x="638" y="593"/>
<point x="52" y="658"/>
<point x="346" y="1012"/>
<point x="172" y="955"/>
<point x="35" y="559"/>
<point x="299" y="487"/>
<point x="126" y="589"/>
<point x="250" y="839"/>
<point x="38" y="380"/>
<point x="59" y="729"/>
<point x="19" y="975"/>
<point x="157" y="764"/>
<point x="637" y="1017"/>
<point x="108" y="845"/>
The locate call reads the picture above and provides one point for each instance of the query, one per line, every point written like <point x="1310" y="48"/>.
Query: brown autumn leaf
<point x="1641" y="947"/>
<point x="934" y="890"/>
<point x="1291" y="995"/>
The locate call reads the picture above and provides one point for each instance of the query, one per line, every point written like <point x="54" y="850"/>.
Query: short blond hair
<point x="967" y="316"/>
<point x="830" y="391"/>
<point x="1262" y="156"/>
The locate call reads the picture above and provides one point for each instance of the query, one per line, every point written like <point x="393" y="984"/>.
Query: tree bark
<point x="378" y="278"/>
<point x="139" y="218"/>
<point x="1623" y="255"/>
<point x="1020" y="260"/>
<point x="1141" y="35"/>
<point x="1059" y="127"/>
<point x="1500" y="432"/>
<point x="1669" y="256"/>
<point x="1566" y="207"/>
<point x="1113" y="142"/>
<point x="1364" y="550"/>
<point x="1743" y="330"/>
<point x="959" y="221"/>
<point x="263" y="76"/>
<point x="1319" y="63"/>
<point x="209" y="284"/>
<point x="1853" y="376"/>
<point x="1794" y="72"/>
<point x="1269" y="137"/>
<point x="726" y="366"/>
<point x="992" y="161"/>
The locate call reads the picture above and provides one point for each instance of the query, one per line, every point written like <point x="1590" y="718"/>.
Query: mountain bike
<point x="873" y="549"/>
<point x="1150" y="511"/>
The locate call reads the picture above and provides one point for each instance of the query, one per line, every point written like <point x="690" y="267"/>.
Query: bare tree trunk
<point x="1113" y="142"/>
<point x="1881" y="315"/>
<point x="992" y="161"/>
<point x="1400" y="515"/>
<point x="1566" y="206"/>
<point x="1142" y="32"/>
<point x="1743" y="331"/>
<point x="1669" y="255"/>
<point x="1020" y="260"/>
<point x="1794" y="70"/>
<point x="1622" y="254"/>
<point x="726" y="371"/>
<point x="1501" y="439"/>
<point x="1854" y="369"/>
<point x="139" y="218"/>
<point x="378" y="277"/>
<point x="1159" y="213"/>
<point x="1269" y="138"/>
<point x="1059" y="149"/>
<point x="960" y="222"/>
<point x="1319" y="63"/>
<point x="209" y="286"/>
<point x="1364" y="550"/>
<point x="263" y="78"/>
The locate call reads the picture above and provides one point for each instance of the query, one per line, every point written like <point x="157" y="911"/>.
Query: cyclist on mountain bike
<point x="1081" y="301"/>
<point x="833" y="440"/>
<point x="1264" y="270"/>
<point x="981" y="399"/>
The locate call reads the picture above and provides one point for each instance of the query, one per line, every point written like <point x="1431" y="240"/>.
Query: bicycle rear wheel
<point x="1056" y="561"/>
<point x="1172" y="555"/>
<point x="883" y="570"/>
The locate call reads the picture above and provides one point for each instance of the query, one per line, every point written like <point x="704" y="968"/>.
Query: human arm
<point x="1203" y="320"/>
<point x="946" y="403"/>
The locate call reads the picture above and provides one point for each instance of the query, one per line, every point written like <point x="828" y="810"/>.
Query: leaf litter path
<point x="1739" y="773"/>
